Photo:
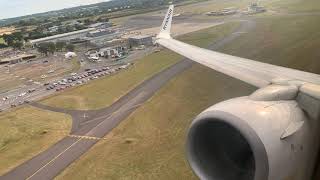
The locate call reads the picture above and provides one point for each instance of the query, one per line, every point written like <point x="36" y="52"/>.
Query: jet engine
<point x="250" y="138"/>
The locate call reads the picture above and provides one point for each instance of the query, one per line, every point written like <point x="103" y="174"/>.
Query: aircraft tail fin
<point x="166" y="25"/>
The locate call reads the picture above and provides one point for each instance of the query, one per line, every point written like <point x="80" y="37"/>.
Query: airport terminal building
<point x="140" y="40"/>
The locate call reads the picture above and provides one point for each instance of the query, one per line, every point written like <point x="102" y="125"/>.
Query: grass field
<point x="293" y="6"/>
<point x="26" y="131"/>
<point x="212" y="5"/>
<point x="150" y="143"/>
<point x="156" y="131"/>
<point x="75" y="64"/>
<point x="2" y="40"/>
<point x="102" y="93"/>
<point x="291" y="41"/>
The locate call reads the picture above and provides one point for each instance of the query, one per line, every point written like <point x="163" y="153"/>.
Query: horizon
<point x="30" y="7"/>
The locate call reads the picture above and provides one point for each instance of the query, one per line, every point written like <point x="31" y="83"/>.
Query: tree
<point x="60" y="45"/>
<point x="69" y="28"/>
<point x="103" y="19"/>
<point x="51" y="47"/>
<point x="87" y="22"/>
<point x="14" y="40"/>
<point x="36" y="35"/>
<point x="17" y="36"/>
<point x="70" y="47"/>
<point x="8" y="39"/>
<point x="79" y="26"/>
<point x="17" y="45"/>
<point x="43" y="48"/>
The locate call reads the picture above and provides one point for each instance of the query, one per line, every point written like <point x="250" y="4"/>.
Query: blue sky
<point x="14" y="8"/>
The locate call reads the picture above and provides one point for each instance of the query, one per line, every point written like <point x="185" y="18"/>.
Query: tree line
<point x="14" y="40"/>
<point x="47" y="48"/>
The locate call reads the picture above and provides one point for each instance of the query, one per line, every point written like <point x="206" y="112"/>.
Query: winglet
<point x="166" y="25"/>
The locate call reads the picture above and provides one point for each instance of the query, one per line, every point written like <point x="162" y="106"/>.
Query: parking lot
<point x="79" y="79"/>
<point x="36" y="91"/>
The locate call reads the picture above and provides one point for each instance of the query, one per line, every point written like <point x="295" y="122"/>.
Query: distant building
<point x="117" y="42"/>
<point x="109" y="52"/>
<point x="101" y="38"/>
<point x="254" y="8"/>
<point x="101" y="25"/>
<point x="140" y="40"/>
<point x="74" y="22"/>
<point x="63" y="37"/>
<point x="53" y="29"/>
<point x="69" y="55"/>
<point x="223" y="12"/>
<point x="100" y="32"/>
<point x="17" y="59"/>
<point x="113" y="52"/>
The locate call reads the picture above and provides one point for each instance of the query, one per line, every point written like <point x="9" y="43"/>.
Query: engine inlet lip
<point x="259" y="151"/>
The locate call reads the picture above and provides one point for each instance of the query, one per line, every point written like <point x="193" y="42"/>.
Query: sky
<point x="15" y="8"/>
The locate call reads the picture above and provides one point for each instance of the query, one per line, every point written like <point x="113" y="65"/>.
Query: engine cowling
<point x="243" y="139"/>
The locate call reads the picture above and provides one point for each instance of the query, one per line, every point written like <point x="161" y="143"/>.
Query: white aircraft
<point x="272" y="134"/>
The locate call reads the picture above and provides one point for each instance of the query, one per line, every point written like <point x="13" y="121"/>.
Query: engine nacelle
<point x="245" y="139"/>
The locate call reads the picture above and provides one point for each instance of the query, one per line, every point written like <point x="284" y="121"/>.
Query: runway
<point x="91" y="126"/>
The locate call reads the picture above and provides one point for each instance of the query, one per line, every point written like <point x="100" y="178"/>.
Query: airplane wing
<point x="255" y="73"/>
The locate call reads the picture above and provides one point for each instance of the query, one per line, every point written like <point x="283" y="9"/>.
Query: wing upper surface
<point x="255" y="73"/>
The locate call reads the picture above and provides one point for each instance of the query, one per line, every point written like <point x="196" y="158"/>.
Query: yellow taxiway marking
<point x="54" y="159"/>
<point x="90" y="137"/>
<point x="121" y="109"/>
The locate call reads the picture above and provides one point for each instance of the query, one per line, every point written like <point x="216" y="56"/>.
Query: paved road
<point x="90" y="126"/>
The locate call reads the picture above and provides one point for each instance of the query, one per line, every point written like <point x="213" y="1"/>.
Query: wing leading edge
<point x="255" y="73"/>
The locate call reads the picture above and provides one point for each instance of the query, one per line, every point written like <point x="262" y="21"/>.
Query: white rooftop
<point x="61" y="35"/>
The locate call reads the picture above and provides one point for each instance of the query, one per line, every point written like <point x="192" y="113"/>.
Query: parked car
<point x="22" y="94"/>
<point x="51" y="71"/>
<point x="31" y="90"/>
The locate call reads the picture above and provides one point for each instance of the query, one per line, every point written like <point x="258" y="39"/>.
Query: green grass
<point x="150" y="143"/>
<point x="157" y="131"/>
<point x="213" y="5"/>
<point x="293" y="6"/>
<point x="104" y="92"/>
<point x="291" y="41"/>
<point x="26" y="131"/>
<point x="75" y="64"/>
<point x="2" y="40"/>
